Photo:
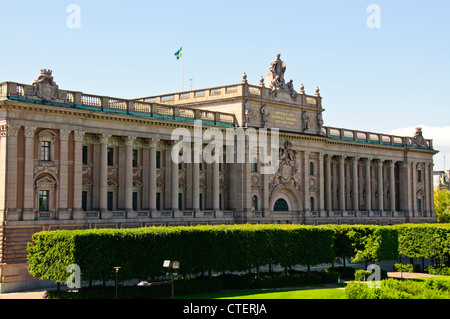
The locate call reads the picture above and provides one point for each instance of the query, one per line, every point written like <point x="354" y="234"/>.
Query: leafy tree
<point x="442" y="205"/>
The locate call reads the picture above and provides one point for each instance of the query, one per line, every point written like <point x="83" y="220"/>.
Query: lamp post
<point x="175" y="265"/>
<point x="117" y="272"/>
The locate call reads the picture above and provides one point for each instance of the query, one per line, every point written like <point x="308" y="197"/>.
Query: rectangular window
<point x="135" y="201"/>
<point x="135" y="158"/>
<point x="419" y="175"/>
<point x="45" y="151"/>
<point x="110" y="201"/>
<point x="158" y="159"/>
<point x="85" y="155"/>
<point x="110" y="156"/>
<point x="200" y="200"/>
<point x="255" y="165"/>
<point x="419" y="205"/>
<point x="220" y="201"/>
<point x="158" y="201"/>
<point x="44" y="201"/>
<point x="84" y="201"/>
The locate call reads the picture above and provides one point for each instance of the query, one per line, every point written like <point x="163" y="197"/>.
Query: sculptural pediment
<point x="44" y="87"/>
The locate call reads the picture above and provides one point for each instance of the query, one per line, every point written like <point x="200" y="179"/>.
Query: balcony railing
<point x="72" y="99"/>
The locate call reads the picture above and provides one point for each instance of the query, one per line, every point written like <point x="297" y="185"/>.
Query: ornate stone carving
<point x="9" y="130"/>
<point x="45" y="88"/>
<point x="418" y="139"/>
<point x="64" y="134"/>
<point x="248" y="112"/>
<point x="78" y="136"/>
<point x="29" y="131"/>
<point x="276" y="79"/>
<point x="46" y="167"/>
<point x="277" y="69"/>
<point x="104" y="138"/>
<point x="306" y="120"/>
<point x="264" y="114"/>
<point x="288" y="171"/>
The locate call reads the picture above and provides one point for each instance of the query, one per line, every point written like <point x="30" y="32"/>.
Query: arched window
<point x="281" y="205"/>
<point x="255" y="203"/>
<point x="311" y="168"/>
<point x="311" y="202"/>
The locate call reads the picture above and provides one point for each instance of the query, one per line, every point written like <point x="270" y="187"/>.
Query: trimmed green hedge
<point x="431" y="288"/>
<point x="140" y="252"/>
<point x="224" y="248"/>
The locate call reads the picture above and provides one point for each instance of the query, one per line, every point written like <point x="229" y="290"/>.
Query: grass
<point x="315" y="293"/>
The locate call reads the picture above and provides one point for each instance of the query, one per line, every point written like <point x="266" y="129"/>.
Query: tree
<point x="442" y="205"/>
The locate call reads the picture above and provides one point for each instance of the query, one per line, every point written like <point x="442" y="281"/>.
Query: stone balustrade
<point x="24" y="93"/>
<point x="231" y="91"/>
<point x="374" y="138"/>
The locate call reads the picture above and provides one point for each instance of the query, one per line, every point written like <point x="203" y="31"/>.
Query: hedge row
<point x="223" y="248"/>
<point x="431" y="288"/>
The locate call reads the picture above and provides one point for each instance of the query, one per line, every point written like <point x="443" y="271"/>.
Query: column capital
<point x="64" y="134"/>
<point x="355" y="158"/>
<point x="342" y="158"/>
<point x="78" y="136"/>
<point x="29" y="131"/>
<point x="128" y="140"/>
<point x="10" y="130"/>
<point x="104" y="138"/>
<point x="153" y="142"/>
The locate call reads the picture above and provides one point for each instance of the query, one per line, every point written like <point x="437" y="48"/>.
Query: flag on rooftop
<point x="178" y="53"/>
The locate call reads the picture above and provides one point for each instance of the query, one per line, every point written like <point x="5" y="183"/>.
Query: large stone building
<point x="71" y="160"/>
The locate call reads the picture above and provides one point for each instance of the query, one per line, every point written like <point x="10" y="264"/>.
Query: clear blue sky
<point x="380" y="79"/>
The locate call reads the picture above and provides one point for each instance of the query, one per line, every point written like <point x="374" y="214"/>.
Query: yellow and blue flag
<point x="179" y="53"/>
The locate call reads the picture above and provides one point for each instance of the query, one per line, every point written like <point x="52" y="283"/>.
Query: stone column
<point x="306" y="195"/>
<point x="321" y="185"/>
<point x="215" y="186"/>
<point x="103" y="172"/>
<point x="196" y="183"/>
<point x="129" y="140"/>
<point x="152" y="175"/>
<point x="431" y="191"/>
<point x="328" y="204"/>
<point x="405" y="187"/>
<point x="355" y="190"/>
<point x="342" y="183"/>
<point x="28" y="182"/>
<point x="368" y="186"/>
<point x="174" y="180"/>
<point x="8" y="187"/>
<point x="63" y="174"/>
<point x="414" y="190"/>
<point x="77" y="174"/>
<point x="380" y="185"/>
<point x="392" y="185"/>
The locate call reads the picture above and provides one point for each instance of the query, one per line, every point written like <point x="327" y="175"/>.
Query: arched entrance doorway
<point x="281" y="205"/>
<point x="285" y="198"/>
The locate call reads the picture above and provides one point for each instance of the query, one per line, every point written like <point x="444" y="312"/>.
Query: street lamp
<point x="117" y="271"/>
<point x="175" y="265"/>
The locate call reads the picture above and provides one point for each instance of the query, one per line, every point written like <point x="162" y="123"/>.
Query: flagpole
<point x="182" y="78"/>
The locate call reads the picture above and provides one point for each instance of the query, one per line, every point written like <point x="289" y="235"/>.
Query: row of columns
<point x="174" y="179"/>
<point x="9" y="165"/>
<point x="355" y="184"/>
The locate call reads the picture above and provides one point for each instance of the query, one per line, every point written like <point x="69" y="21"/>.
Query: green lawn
<point x="322" y="293"/>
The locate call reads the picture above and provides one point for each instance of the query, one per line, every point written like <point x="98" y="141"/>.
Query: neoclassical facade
<point x="70" y="160"/>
